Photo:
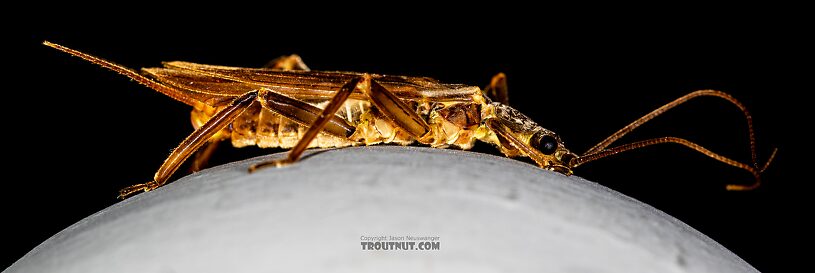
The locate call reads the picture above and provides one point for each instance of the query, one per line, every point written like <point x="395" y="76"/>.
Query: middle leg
<point x="393" y="108"/>
<point x="318" y="120"/>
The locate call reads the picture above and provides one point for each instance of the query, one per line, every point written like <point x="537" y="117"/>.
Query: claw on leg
<point x="271" y="163"/>
<point x="736" y="187"/>
<point x="131" y="190"/>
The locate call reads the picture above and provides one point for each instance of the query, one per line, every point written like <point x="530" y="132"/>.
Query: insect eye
<point x="546" y="144"/>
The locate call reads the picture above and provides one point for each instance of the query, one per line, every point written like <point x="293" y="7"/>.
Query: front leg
<point x="497" y="91"/>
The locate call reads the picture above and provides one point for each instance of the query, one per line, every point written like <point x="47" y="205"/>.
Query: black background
<point x="81" y="132"/>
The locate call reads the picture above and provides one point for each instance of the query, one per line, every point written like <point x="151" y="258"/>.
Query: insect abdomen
<point x="451" y="125"/>
<point x="266" y="129"/>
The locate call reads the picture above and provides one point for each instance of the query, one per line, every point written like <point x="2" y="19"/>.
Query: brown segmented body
<point x="454" y="124"/>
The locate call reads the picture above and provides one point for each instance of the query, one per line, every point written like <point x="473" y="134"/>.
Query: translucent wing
<point x="224" y="81"/>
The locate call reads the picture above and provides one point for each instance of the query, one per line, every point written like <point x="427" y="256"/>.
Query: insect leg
<point x="202" y="156"/>
<point x="318" y="120"/>
<point x="194" y="141"/>
<point x="398" y="112"/>
<point x="497" y="90"/>
<point x="390" y="105"/>
<point x="284" y="63"/>
<point x="291" y="62"/>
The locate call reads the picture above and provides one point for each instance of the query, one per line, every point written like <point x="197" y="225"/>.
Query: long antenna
<point x="599" y="151"/>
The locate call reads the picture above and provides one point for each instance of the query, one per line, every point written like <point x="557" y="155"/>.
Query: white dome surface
<point x="490" y="214"/>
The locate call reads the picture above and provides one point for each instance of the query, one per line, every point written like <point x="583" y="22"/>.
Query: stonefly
<point x="287" y="105"/>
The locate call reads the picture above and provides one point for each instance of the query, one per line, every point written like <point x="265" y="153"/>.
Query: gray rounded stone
<point x="490" y="214"/>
